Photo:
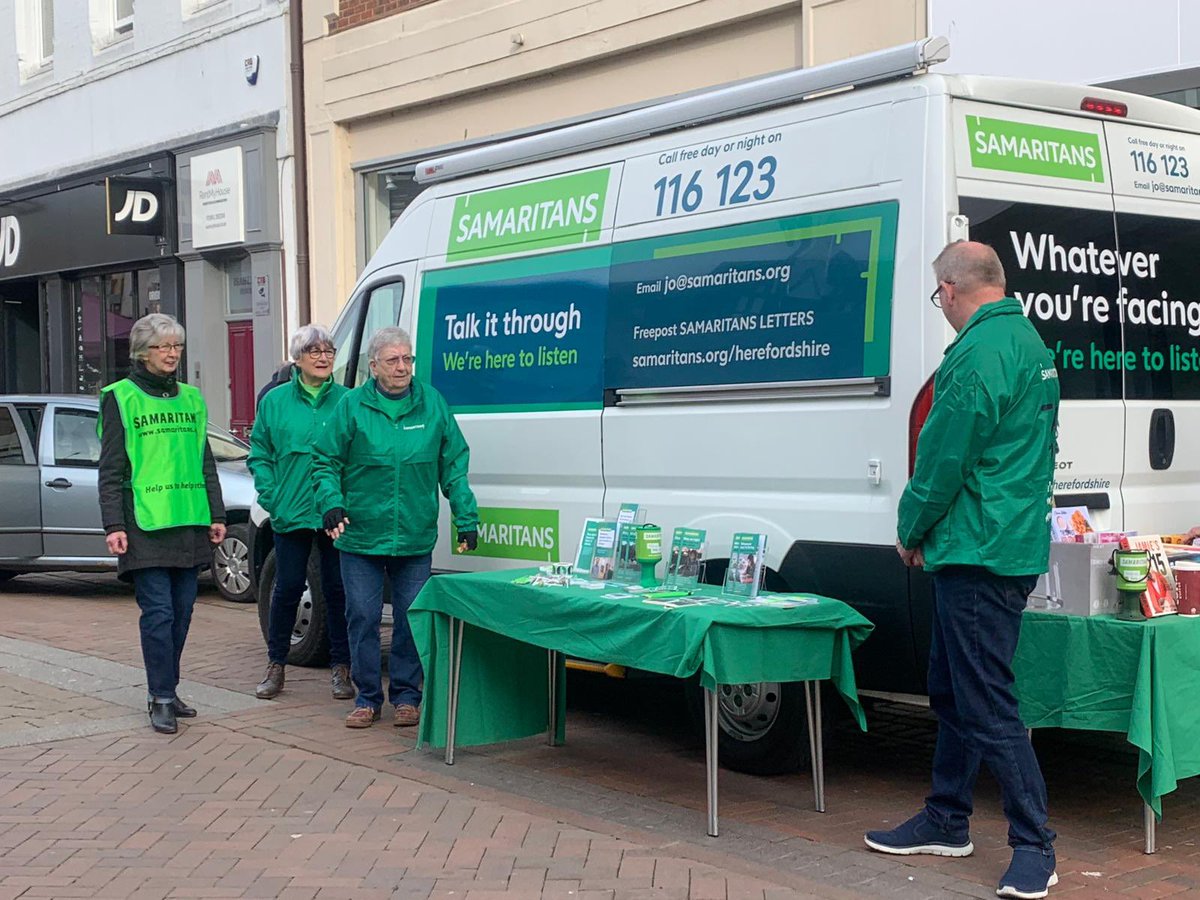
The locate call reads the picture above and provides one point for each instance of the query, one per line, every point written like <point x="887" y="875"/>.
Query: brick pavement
<point x="280" y="800"/>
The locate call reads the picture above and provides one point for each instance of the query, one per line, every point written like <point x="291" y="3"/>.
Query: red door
<point x="241" y="378"/>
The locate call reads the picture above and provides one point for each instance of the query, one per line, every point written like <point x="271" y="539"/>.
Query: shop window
<point x="385" y="196"/>
<point x="106" y="306"/>
<point x="239" y="287"/>
<point x="35" y="36"/>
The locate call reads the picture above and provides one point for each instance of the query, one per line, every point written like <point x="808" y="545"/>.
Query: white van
<point x="717" y="306"/>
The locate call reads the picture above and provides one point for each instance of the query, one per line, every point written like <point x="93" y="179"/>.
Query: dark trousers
<point x="166" y="597"/>
<point x="364" y="577"/>
<point x="292" y="549"/>
<point x="976" y="624"/>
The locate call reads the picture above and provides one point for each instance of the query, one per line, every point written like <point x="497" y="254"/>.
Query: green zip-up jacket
<point x="980" y="494"/>
<point x="385" y="468"/>
<point x="281" y="451"/>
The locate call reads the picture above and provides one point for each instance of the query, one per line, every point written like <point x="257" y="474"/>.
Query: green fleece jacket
<point x="980" y="494"/>
<point x="385" y="462"/>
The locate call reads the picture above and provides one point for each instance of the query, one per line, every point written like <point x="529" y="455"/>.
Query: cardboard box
<point x="1079" y="583"/>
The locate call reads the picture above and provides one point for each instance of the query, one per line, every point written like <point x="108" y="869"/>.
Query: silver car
<point x="49" y="502"/>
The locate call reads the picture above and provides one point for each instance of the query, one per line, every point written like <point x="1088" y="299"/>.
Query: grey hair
<point x="306" y="338"/>
<point x="151" y="329"/>
<point x="970" y="266"/>
<point x="387" y="337"/>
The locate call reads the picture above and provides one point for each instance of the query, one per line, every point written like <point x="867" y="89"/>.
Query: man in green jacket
<point x="281" y="460"/>
<point x="389" y="447"/>
<point x="975" y="513"/>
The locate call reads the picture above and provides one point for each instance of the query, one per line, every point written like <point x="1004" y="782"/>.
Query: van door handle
<point x="58" y="483"/>
<point x="1162" y="439"/>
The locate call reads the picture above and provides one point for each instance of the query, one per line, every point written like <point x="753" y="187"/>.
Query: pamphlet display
<point x="587" y="543"/>
<point x="744" y="574"/>
<point x="601" y="566"/>
<point x="686" y="558"/>
<point x="626" y="568"/>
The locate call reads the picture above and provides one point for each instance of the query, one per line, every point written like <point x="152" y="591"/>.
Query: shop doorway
<point x="106" y="306"/>
<point x="241" y="377"/>
<point x="21" y="369"/>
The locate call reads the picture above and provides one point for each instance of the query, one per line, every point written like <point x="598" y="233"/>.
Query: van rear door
<point x="1036" y="186"/>
<point x="1156" y="188"/>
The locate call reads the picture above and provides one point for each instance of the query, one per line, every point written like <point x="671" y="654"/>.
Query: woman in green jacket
<point x="389" y="447"/>
<point x="281" y="458"/>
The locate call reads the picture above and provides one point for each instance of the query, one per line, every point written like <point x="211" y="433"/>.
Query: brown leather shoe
<point x="340" y="682"/>
<point x="362" y="717"/>
<point x="406" y="716"/>
<point x="272" y="682"/>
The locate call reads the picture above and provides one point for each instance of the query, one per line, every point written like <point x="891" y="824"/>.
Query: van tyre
<point x="310" y="638"/>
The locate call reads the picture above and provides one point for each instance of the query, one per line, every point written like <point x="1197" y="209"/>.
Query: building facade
<point x="147" y="167"/>
<point x="389" y="82"/>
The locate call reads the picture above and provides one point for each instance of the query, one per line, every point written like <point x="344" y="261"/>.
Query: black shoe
<point x="182" y="710"/>
<point x="162" y="717"/>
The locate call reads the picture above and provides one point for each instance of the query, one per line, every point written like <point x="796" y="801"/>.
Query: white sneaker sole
<point x="1006" y="891"/>
<point x="929" y="849"/>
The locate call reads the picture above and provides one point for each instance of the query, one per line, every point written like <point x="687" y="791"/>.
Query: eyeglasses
<point x="167" y="348"/>
<point x="318" y="352"/>
<point x="393" y="362"/>
<point x="936" y="297"/>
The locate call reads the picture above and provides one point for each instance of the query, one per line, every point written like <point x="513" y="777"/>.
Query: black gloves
<point x="333" y="518"/>
<point x="470" y="538"/>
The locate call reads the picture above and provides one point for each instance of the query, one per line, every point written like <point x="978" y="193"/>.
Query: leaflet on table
<point x="744" y="574"/>
<point x="603" y="552"/>
<point x="1069" y="523"/>
<point x="587" y="543"/>
<point x="686" y="557"/>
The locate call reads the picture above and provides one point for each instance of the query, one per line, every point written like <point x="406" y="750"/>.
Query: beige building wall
<point x="454" y="70"/>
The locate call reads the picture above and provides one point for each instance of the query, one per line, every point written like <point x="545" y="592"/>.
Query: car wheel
<point x="231" y="565"/>
<point x="310" y="638"/>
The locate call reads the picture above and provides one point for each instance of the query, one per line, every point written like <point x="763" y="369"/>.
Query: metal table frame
<point x="812" y="702"/>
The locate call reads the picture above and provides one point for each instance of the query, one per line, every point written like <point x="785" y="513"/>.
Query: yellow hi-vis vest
<point x="164" y="438"/>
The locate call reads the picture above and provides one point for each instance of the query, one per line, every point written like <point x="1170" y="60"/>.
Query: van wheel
<point x="763" y="726"/>
<point x="310" y="640"/>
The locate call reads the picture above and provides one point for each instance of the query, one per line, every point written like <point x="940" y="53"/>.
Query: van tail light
<point x="916" y="420"/>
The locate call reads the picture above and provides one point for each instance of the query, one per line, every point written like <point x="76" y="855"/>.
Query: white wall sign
<point x="262" y="296"/>
<point x="218" y="198"/>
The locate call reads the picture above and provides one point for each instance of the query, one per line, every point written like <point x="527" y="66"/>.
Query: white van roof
<point x="610" y="127"/>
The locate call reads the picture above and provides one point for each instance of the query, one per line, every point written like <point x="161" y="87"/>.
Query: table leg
<point x="455" y="667"/>
<point x="1151" y="836"/>
<point x="552" y="693"/>
<point x="711" y="726"/>
<point x="816" y="741"/>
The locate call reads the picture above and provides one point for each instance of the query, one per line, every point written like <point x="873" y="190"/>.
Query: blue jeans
<point x="292" y="550"/>
<point x="166" y="597"/>
<point x="976" y="624"/>
<point x="364" y="577"/>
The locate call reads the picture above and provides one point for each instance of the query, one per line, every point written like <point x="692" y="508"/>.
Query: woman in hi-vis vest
<point x="160" y="500"/>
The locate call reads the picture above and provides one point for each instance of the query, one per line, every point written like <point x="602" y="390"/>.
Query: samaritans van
<point x="717" y="306"/>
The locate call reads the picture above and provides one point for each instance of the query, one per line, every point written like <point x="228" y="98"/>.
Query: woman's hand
<point x="118" y="542"/>
<point x="334" y="522"/>
<point x="216" y="532"/>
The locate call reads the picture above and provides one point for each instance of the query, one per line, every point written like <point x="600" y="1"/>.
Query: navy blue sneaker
<point x="919" y="835"/>
<point x="1030" y="875"/>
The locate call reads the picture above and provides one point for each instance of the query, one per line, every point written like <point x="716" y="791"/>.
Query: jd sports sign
<point x="135" y="205"/>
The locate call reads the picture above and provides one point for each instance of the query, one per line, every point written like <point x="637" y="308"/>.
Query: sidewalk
<point x="278" y="799"/>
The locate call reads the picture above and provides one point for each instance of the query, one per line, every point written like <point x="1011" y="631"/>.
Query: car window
<point x="11" y="453"/>
<point x="226" y="447"/>
<point x="75" y="440"/>
<point x="383" y="311"/>
<point x="31" y="417"/>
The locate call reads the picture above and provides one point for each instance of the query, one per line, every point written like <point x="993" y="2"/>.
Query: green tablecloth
<point x="1100" y="674"/>
<point x="504" y="688"/>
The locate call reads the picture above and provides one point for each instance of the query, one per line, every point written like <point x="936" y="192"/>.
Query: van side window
<point x="343" y="340"/>
<point x="383" y="310"/>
